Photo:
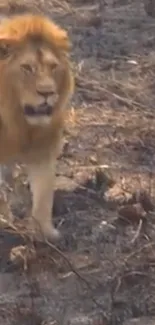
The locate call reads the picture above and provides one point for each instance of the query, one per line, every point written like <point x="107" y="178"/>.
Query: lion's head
<point x="34" y="69"/>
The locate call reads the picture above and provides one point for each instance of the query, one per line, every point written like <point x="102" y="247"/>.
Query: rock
<point x="117" y="195"/>
<point x="144" y="198"/>
<point x="93" y="159"/>
<point x="20" y="255"/>
<point x="132" y="212"/>
<point x="82" y="177"/>
<point x="103" y="179"/>
<point x="64" y="183"/>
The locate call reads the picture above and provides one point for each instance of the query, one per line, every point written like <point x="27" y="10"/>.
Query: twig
<point x="118" y="168"/>
<point x="123" y="276"/>
<point x="97" y="87"/>
<point x="60" y="253"/>
<point x="93" y="167"/>
<point x="138" y="251"/>
<point x="98" y="305"/>
<point x="137" y="232"/>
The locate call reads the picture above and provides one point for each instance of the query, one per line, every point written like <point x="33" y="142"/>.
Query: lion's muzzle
<point x="41" y="110"/>
<point x="39" y="115"/>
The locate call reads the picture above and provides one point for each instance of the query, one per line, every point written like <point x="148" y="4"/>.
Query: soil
<point x="102" y="272"/>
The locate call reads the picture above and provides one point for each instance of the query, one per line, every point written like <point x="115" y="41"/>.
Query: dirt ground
<point x="103" y="270"/>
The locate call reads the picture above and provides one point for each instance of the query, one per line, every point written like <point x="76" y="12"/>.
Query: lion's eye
<point x="4" y="50"/>
<point x="53" y="65"/>
<point x="27" y="68"/>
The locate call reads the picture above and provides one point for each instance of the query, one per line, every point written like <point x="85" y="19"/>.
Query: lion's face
<point x="37" y="75"/>
<point x="34" y="69"/>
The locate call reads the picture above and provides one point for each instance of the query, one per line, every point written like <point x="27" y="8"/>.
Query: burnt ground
<point x="103" y="270"/>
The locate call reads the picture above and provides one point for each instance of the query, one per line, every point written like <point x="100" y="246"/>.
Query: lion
<point x="36" y="85"/>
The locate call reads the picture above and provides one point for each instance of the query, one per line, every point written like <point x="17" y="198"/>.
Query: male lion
<point x="36" y="84"/>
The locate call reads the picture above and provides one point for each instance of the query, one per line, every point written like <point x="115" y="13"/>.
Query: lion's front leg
<point x="42" y="182"/>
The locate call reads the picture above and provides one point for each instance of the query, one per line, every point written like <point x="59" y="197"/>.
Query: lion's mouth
<point x="41" y="110"/>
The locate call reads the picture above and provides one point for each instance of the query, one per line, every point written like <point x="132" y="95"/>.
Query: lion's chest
<point x="40" y="141"/>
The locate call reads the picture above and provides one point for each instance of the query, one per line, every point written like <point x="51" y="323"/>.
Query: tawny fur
<point x="34" y="56"/>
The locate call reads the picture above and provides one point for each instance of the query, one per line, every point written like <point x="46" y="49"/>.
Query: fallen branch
<point x="137" y="232"/>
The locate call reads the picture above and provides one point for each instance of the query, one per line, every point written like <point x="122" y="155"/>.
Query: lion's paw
<point x="51" y="233"/>
<point x="44" y="232"/>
